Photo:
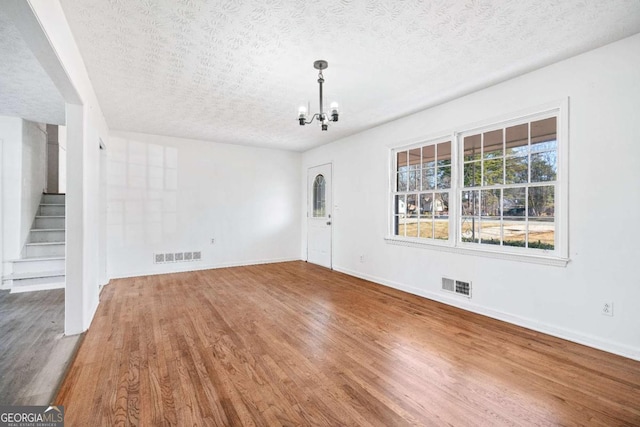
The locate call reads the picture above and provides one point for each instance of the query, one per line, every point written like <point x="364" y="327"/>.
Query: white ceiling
<point x="236" y="71"/>
<point x="25" y="88"/>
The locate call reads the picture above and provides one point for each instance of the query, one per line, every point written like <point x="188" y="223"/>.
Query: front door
<point x="319" y="215"/>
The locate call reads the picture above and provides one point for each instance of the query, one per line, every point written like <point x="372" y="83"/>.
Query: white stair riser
<point x="53" y="198"/>
<point x="30" y="266"/>
<point x="44" y="222"/>
<point x="51" y="210"/>
<point x="47" y="236"/>
<point x="32" y="251"/>
<point x="38" y="284"/>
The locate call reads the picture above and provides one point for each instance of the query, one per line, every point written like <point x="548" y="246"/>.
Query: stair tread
<point x="49" y="216"/>
<point x="48" y="229"/>
<point x="34" y="275"/>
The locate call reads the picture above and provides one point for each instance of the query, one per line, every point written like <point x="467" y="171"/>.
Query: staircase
<point x="42" y="265"/>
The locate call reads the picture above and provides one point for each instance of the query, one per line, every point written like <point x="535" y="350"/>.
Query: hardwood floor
<point x="35" y="353"/>
<point x="296" y="344"/>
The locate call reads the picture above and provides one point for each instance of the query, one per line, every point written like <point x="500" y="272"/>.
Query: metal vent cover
<point x="458" y="287"/>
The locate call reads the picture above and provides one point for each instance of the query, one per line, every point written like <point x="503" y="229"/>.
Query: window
<point x="509" y="185"/>
<point x="494" y="188"/>
<point x="422" y="191"/>
<point x="319" y="210"/>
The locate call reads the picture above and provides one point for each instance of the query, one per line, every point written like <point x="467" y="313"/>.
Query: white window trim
<point x="559" y="256"/>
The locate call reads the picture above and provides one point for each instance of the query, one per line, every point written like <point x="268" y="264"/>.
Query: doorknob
<point x="328" y="222"/>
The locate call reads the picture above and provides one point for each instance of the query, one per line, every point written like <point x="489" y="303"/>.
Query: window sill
<point x="510" y="256"/>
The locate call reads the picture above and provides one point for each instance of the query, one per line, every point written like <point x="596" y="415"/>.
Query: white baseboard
<point x="197" y="266"/>
<point x="569" y="335"/>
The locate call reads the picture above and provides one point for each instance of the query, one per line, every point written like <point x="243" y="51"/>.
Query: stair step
<point x="53" y="198"/>
<point x="25" y="265"/>
<point x="41" y="284"/>
<point x="44" y="249"/>
<point x="49" y="209"/>
<point x="41" y="235"/>
<point x="56" y="221"/>
<point x="34" y="275"/>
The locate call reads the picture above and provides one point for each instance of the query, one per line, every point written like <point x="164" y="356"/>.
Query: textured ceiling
<point x="25" y="88"/>
<point x="236" y="71"/>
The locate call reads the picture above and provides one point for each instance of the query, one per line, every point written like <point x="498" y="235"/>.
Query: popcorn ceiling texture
<point x="25" y="89"/>
<point x="236" y="71"/>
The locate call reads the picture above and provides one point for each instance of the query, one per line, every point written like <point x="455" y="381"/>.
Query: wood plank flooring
<point x="34" y="352"/>
<point x="296" y="344"/>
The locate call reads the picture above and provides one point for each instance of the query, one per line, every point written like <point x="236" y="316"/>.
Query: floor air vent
<point x="458" y="287"/>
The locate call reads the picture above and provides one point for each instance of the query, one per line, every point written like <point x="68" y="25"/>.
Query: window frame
<point x="393" y="189"/>
<point x="559" y="255"/>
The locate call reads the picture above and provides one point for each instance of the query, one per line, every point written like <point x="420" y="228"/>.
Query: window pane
<point x="412" y="205"/>
<point x="513" y="202"/>
<point x="401" y="161"/>
<point x="426" y="204"/>
<point x="492" y="172"/>
<point x="414" y="180"/>
<point x="514" y="231"/>
<point x="472" y="148"/>
<point x="544" y="166"/>
<point x="400" y="204"/>
<point x="517" y="170"/>
<point x="400" y="225"/>
<point x="411" y="220"/>
<point x="543" y="135"/>
<point x="541" y="201"/>
<point x="542" y="233"/>
<point x="441" y="210"/>
<point x="426" y="215"/>
<point x="444" y="177"/>
<point x="470" y="229"/>
<point x="517" y="139"/>
<point x="490" y="209"/>
<point x="319" y="197"/>
<point x="470" y="203"/>
<point x="429" y="179"/>
<point x="492" y="144"/>
<point x="414" y="158"/>
<point x="429" y="156"/>
<point x="472" y="173"/>
<point x="403" y="178"/>
<point x="444" y="154"/>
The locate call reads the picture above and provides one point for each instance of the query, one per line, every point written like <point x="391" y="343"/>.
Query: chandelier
<point x="323" y="118"/>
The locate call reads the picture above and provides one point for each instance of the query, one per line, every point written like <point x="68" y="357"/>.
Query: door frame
<point x="330" y="208"/>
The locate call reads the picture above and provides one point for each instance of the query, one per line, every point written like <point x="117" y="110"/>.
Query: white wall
<point x="23" y="180"/>
<point x="10" y="188"/>
<point x="168" y="195"/>
<point x="62" y="159"/>
<point x="604" y="90"/>
<point x="84" y="126"/>
<point x="34" y="173"/>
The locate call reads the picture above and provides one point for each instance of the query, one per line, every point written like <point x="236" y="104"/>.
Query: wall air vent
<point x="177" y="257"/>
<point x="457" y="287"/>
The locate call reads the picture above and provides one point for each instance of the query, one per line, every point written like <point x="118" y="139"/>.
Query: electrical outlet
<point x="361" y="258"/>
<point x="607" y="308"/>
<point x="213" y="241"/>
